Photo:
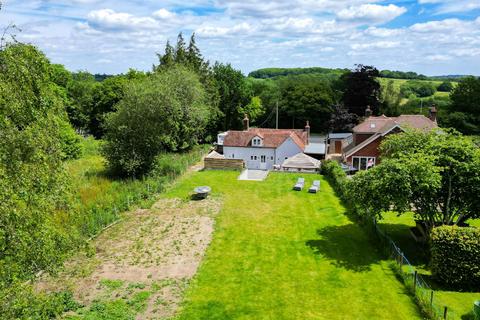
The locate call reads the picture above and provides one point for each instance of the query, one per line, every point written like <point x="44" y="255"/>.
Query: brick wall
<point x="371" y="150"/>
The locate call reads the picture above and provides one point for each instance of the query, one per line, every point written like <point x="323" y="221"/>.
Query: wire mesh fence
<point x="424" y="294"/>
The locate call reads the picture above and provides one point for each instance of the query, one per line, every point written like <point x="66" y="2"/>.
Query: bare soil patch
<point x="156" y="250"/>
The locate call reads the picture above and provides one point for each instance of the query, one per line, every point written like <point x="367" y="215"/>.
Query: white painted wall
<point x="272" y="156"/>
<point x="286" y="150"/>
<point x="245" y="153"/>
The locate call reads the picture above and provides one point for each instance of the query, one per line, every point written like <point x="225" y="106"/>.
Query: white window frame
<point x="360" y="161"/>
<point x="256" y="142"/>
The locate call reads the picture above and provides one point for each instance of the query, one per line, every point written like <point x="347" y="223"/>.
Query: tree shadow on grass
<point x="416" y="253"/>
<point x="347" y="245"/>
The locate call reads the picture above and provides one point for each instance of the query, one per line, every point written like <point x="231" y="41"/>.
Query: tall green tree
<point x="168" y="58"/>
<point x="234" y="93"/>
<point x="33" y="182"/>
<point x="167" y="111"/>
<point x="464" y="112"/>
<point x="254" y="109"/>
<point x="180" y="50"/>
<point x="194" y="57"/>
<point x="434" y="174"/>
<point x="303" y="101"/>
<point x="105" y="97"/>
<point x="361" y="89"/>
<point x="341" y="120"/>
<point x="80" y="92"/>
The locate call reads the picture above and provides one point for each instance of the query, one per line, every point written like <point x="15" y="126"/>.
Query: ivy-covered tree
<point x="434" y="174"/>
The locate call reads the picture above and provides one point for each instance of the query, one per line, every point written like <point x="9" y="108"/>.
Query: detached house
<point x="362" y="152"/>
<point x="262" y="148"/>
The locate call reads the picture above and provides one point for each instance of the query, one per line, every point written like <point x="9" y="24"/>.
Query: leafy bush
<point x="20" y="301"/>
<point x="418" y="88"/>
<point x="445" y="86"/>
<point x="70" y="141"/>
<point x="455" y="256"/>
<point x="336" y="176"/>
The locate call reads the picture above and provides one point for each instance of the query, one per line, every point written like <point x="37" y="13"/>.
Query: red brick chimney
<point x="246" y="123"/>
<point x="432" y="114"/>
<point x="307" y="130"/>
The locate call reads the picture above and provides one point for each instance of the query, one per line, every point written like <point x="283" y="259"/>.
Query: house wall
<point x="370" y="150"/>
<point x="286" y="150"/>
<point x="245" y="153"/>
<point x="273" y="156"/>
<point x="332" y="143"/>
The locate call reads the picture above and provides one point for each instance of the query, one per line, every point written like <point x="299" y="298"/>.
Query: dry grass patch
<point x="155" y="251"/>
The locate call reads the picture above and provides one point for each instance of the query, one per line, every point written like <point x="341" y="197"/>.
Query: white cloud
<point x="438" y="57"/>
<point x="376" y="45"/>
<point x="447" y="25"/>
<point x="383" y="33"/>
<point x="163" y="14"/>
<point x="371" y="13"/>
<point x="250" y="34"/>
<point x="109" y="19"/>
<point x="214" y="31"/>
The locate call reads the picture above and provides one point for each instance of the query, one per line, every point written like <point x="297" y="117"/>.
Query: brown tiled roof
<point x="383" y="124"/>
<point x="272" y="138"/>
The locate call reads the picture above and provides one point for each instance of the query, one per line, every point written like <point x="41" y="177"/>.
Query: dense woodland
<point x="47" y="110"/>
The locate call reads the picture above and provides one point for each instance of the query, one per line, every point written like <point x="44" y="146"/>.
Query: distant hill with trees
<point x="267" y="73"/>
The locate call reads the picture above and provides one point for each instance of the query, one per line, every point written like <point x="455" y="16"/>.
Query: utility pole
<point x="276" y="120"/>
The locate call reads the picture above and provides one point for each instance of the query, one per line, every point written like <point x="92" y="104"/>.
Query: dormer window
<point x="372" y="125"/>
<point x="256" y="142"/>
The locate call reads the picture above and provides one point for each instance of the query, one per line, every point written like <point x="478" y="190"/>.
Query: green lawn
<point x="281" y="254"/>
<point x="459" y="303"/>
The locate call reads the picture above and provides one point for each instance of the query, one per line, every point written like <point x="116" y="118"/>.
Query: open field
<point x="459" y="303"/>
<point x="399" y="82"/>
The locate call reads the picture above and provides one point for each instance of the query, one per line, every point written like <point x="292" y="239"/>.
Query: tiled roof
<point x="383" y="124"/>
<point x="272" y="138"/>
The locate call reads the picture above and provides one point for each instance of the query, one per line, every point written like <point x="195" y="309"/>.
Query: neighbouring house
<point x="262" y="148"/>
<point x="363" y="150"/>
<point x="336" y="142"/>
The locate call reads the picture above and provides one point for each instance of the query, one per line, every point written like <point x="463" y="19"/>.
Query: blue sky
<point x="110" y="36"/>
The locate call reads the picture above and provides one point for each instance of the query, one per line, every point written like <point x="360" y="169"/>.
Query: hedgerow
<point x="455" y="258"/>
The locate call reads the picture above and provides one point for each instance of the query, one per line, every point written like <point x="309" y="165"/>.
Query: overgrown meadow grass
<point x="99" y="198"/>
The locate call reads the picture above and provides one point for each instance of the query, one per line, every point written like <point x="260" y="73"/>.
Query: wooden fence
<point x="212" y="163"/>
